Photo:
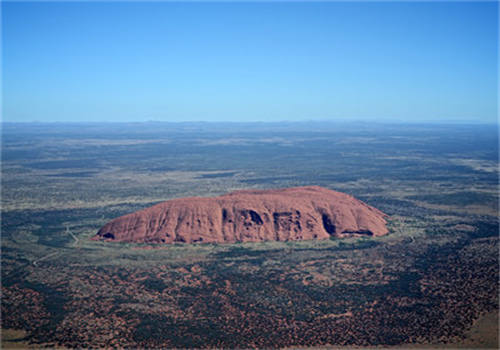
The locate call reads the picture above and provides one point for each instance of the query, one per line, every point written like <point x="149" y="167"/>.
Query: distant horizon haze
<point x="389" y="62"/>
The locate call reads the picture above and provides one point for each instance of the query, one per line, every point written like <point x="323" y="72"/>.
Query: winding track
<point x="72" y="235"/>
<point x="44" y="257"/>
<point x="75" y="243"/>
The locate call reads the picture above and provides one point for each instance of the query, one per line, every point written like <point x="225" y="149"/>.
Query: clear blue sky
<point x="93" y="61"/>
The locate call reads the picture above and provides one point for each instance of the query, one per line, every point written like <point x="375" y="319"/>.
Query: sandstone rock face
<point x="249" y="216"/>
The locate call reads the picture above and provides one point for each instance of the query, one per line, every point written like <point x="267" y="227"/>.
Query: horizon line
<point x="301" y="121"/>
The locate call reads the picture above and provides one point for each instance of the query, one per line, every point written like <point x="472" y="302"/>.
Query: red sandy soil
<point x="298" y="213"/>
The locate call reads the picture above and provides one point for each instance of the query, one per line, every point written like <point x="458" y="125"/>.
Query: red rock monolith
<point x="298" y="213"/>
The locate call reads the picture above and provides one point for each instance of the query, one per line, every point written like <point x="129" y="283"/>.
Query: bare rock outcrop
<point x="298" y="213"/>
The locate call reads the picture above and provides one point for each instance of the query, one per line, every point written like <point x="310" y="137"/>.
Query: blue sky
<point x="260" y="61"/>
